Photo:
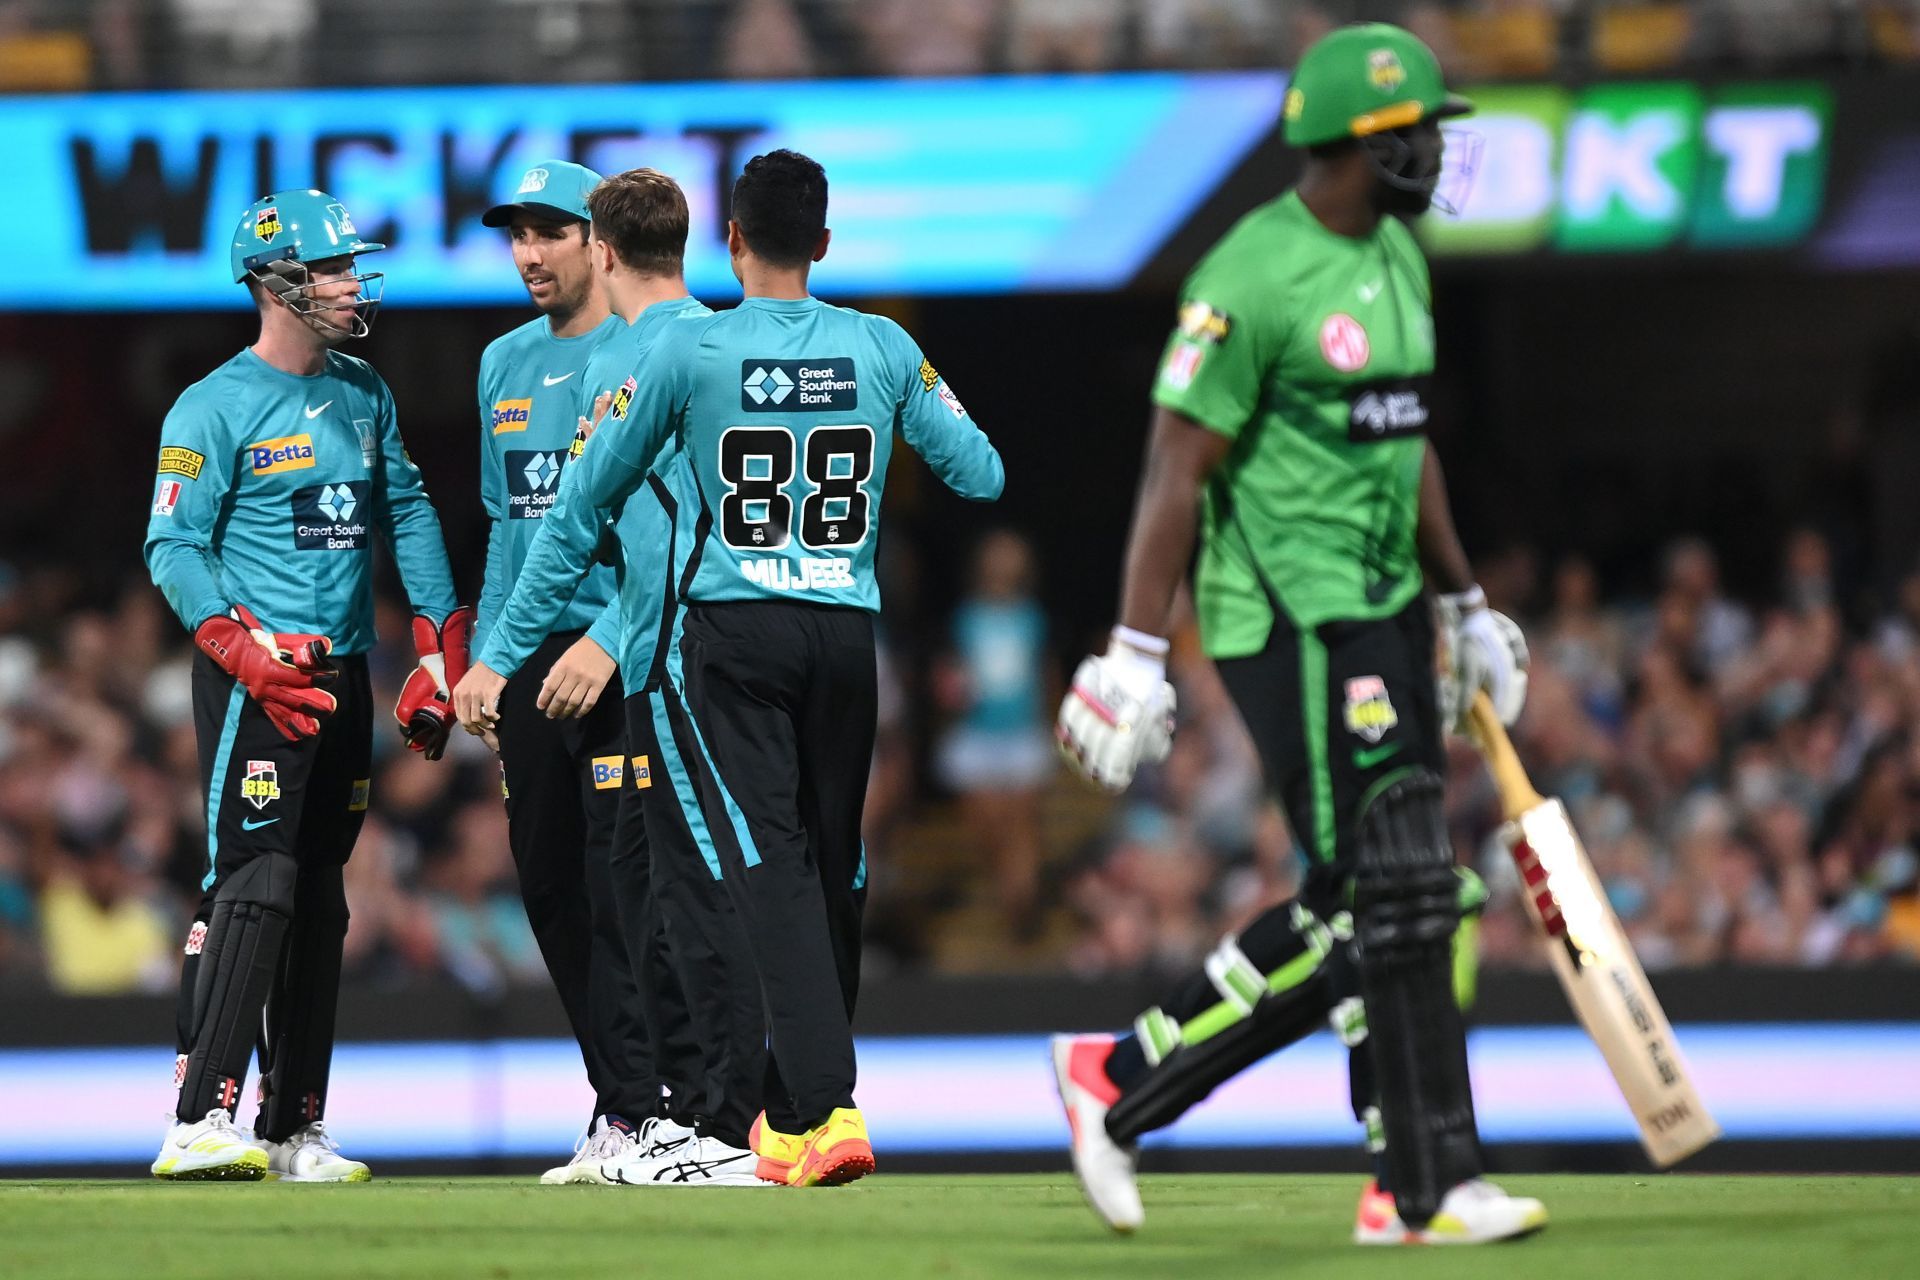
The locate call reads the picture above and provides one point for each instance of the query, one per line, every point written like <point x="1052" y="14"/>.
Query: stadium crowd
<point x="136" y="44"/>
<point x="1746" y="776"/>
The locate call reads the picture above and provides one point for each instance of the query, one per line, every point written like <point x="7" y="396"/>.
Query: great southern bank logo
<point x="767" y="386"/>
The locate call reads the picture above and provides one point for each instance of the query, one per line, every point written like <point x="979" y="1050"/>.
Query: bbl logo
<point x="261" y="786"/>
<point x="623" y="399"/>
<point x="1384" y="70"/>
<point x="267" y="225"/>
<point x="1370" y="711"/>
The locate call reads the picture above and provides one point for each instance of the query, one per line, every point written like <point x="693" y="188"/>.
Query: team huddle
<point x="673" y="657"/>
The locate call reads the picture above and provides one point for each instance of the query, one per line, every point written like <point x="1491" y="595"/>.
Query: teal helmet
<point x="280" y="234"/>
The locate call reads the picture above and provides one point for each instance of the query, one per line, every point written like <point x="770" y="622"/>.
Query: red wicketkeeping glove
<point x="278" y="669"/>
<point x="425" y="709"/>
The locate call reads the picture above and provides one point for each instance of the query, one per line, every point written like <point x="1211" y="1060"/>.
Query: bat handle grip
<point x="1517" y="794"/>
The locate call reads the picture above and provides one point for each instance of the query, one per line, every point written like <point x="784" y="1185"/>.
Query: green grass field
<point x="1201" y="1226"/>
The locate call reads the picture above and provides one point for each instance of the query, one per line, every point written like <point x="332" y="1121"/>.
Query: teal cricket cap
<point x="555" y="189"/>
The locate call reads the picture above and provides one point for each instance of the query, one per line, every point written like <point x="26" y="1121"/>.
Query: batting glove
<point x="1484" y="650"/>
<point x="1119" y="711"/>
<point x="278" y="669"/>
<point x="425" y="708"/>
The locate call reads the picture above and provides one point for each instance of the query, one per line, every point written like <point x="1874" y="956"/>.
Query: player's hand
<point x="278" y="669"/>
<point x="584" y="428"/>
<point x="1118" y="713"/>
<point x="476" y="703"/>
<point x="574" y="684"/>
<point x="425" y="708"/>
<point x="1484" y="650"/>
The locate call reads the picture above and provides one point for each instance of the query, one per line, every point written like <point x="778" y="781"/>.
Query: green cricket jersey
<point x="1311" y="351"/>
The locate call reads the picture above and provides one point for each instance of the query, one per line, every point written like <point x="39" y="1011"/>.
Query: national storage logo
<point x="288" y="453"/>
<point x="511" y="415"/>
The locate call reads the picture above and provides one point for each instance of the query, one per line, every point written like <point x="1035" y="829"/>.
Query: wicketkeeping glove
<point x="425" y="708"/>
<point x="1484" y="650"/>
<point x="1118" y="713"/>
<point x="278" y="669"/>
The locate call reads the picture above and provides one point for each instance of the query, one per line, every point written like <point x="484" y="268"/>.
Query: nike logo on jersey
<point x="550" y="381"/>
<point x="314" y="413"/>
<point x="1368" y="292"/>
<point x="1367" y="758"/>
<point x="249" y="824"/>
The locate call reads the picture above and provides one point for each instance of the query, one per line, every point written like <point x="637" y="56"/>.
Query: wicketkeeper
<point x="276" y="473"/>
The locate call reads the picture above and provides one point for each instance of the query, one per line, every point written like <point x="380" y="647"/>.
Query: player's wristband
<point x="1151" y="646"/>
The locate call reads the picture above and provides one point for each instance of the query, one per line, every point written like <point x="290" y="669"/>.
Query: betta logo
<point x="267" y="225"/>
<point x="608" y="772"/>
<point x="511" y="415"/>
<point x="288" y="453"/>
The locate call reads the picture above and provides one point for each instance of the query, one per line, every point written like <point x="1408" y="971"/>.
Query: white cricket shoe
<point x="608" y="1140"/>
<point x="1104" y="1167"/>
<point x="702" y="1162"/>
<point x="209" y="1150"/>
<point x="311" y="1155"/>
<point x="1475" y="1212"/>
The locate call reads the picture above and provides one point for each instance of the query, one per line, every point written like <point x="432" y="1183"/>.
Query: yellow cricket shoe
<point x="779" y="1152"/>
<point x="836" y="1152"/>
<point x="209" y="1150"/>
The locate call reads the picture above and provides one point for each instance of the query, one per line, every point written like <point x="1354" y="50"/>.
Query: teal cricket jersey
<point x="786" y="411"/>
<point x="529" y="392"/>
<point x="647" y="555"/>
<point x="271" y="486"/>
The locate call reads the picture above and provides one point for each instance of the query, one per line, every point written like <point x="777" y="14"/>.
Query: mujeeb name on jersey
<point x="805" y="573"/>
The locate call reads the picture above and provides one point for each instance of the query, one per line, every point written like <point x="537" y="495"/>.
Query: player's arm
<point x="1119" y="710"/>
<point x="561" y="554"/>
<point x="194" y="477"/>
<point x="442" y="627"/>
<point x="493" y="497"/>
<point x="938" y="428"/>
<point x="1482" y="649"/>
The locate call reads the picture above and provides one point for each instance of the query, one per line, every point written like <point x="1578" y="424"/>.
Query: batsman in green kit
<point x="1289" y="440"/>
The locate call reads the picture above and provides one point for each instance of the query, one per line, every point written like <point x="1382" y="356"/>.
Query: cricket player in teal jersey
<point x="664" y="847"/>
<point x="275" y="474"/>
<point x="633" y="251"/>
<point x="785" y="409"/>
<point x="562" y="776"/>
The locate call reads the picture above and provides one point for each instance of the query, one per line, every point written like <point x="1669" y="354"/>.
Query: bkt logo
<point x="336" y="501"/>
<point x="767" y="387"/>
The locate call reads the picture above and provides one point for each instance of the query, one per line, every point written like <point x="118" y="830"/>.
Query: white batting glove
<point x="1485" y="650"/>
<point x="1119" y="711"/>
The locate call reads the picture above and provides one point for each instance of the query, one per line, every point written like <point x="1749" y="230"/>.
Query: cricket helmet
<point x="281" y="233"/>
<point x="1361" y="80"/>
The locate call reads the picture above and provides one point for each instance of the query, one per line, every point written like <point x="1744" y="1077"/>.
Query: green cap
<point x="305" y="226"/>
<point x="556" y="189"/>
<point x="1362" y="79"/>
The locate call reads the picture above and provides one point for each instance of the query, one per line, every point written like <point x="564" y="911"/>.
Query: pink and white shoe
<point x="1105" y="1168"/>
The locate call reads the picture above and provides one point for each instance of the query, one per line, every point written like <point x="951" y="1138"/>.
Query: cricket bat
<point x="1592" y="957"/>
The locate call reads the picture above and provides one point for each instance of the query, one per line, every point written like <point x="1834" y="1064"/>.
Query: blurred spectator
<point x="101" y="933"/>
<point x="999" y="753"/>
<point x="928" y="37"/>
<point x="481" y="925"/>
